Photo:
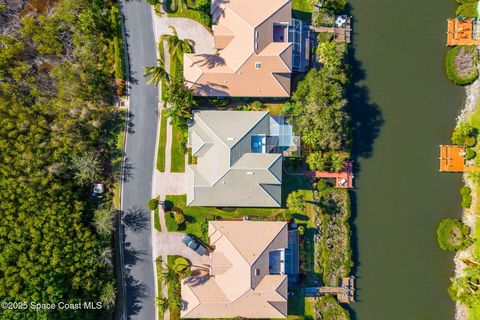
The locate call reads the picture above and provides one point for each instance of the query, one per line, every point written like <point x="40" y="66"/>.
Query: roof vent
<point x="258" y="65"/>
<point x="257" y="272"/>
<point x="250" y="172"/>
<point x="230" y="139"/>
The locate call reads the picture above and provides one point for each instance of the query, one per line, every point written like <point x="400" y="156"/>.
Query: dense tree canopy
<point x="320" y="109"/>
<point x="56" y="85"/>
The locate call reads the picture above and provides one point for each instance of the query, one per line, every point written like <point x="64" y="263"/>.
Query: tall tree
<point x="159" y="72"/>
<point x="176" y="46"/>
<point x="180" y="102"/>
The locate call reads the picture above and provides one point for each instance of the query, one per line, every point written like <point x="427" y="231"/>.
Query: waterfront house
<point x="248" y="272"/>
<point x="258" y="46"/>
<point x="238" y="158"/>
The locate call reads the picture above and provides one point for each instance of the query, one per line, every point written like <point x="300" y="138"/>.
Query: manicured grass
<point x="190" y="13"/>
<point x="310" y="307"/>
<point x="191" y="159"/>
<point x="476" y="238"/>
<point x="159" y="266"/>
<point x="296" y="302"/>
<point x="177" y="152"/>
<point x="156" y="220"/>
<point x="120" y="142"/>
<point x="302" y="9"/>
<point x="116" y="196"/>
<point x="162" y="142"/>
<point x="474" y="312"/>
<point x="195" y="215"/>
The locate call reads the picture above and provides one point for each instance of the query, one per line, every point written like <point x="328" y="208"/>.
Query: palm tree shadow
<point x="136" y="219"/>
<point x="211" y="60"/>
<point x="131" y="256"/>
<point x="136" y="291"/>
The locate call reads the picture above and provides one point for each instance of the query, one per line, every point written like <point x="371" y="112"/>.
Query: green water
<point x="400" y="46"/>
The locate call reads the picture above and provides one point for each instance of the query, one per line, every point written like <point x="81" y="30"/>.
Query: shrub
<point x="330" y="309"/>
<point x="152" y="204"/>
<point x="470" y="141"/>
<point x="182" y="266"/>
<point x="453" y="235"/>
<point x="287" y="216"/>
<point x="257" y="104"/>
<point x="301" y="230"/>
<point x="296" y="202"/>
<point x="470" y="154"/>
<point x="179" y="217"/>
<point x="322" y="185"/>
<point x="467" y="9"/>
<point x="316" y="161"/>
<point x="153" y="2"/>
<point x="464" y="135"/>
<point x="466" y="193"/>
<point x="461" y="64"/>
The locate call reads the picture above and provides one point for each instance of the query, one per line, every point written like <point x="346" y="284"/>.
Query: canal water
<point x="403" y="107"/>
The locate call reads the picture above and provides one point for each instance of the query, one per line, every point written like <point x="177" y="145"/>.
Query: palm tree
<point x="180" y="4"/>
<point x="108" y="296"/>
<point x="169" y="275"/>
<point x="103" y="221"/>
<point x="159" y="72"/>
<point x="181" y="101"/>
<point x="162" y="303"/>
<point x="87" y="167"/>
<point x="176" y="46"/>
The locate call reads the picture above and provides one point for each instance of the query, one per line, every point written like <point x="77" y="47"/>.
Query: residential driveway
<point x="170" y="243"/>
<point x="167" y="183"/>
<point x="186" y="28"/>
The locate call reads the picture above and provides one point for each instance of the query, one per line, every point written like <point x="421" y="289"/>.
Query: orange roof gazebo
<point x="452" y="158"/>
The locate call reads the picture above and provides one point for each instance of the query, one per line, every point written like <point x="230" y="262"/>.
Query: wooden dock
<point x="345" y="292"/>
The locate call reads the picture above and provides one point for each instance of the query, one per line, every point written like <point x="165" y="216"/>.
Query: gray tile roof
<point x="227" y="173"/>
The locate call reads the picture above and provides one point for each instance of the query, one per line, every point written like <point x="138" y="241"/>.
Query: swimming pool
<point x="258" y="144"/>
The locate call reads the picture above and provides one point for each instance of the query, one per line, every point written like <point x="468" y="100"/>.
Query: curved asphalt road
<point x="139" y="158"/>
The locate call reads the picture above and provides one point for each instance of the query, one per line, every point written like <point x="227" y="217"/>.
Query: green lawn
<point x="310" y="307"/>
<point x="302" y="9"/>
<point x="195" y="215"/>
<point x="162" y="141"/>
<point x="474" y="312"/>
<point x="296" y="303"/>
<point x="159" y="266"/>
<point x="177" y="151"/>
<point x="156" y="220"/>
<point x="191" y="13"/>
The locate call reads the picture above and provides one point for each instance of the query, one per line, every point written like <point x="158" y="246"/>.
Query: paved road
<point x="140" y="150"/>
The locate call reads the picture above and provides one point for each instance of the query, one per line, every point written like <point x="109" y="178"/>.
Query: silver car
<point x="194" y="245"/>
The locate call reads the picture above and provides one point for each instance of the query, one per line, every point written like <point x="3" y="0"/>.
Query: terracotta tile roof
<point x="248" y="60"/>
<point x="239" y="283"/>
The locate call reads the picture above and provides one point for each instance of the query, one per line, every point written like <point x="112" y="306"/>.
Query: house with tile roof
<point x="246" y="276"/>
<point x="254" y="51"/>
<point x="239" y="158"/>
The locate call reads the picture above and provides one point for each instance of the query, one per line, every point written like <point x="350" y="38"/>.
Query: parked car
<point x="194" y="245"/>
